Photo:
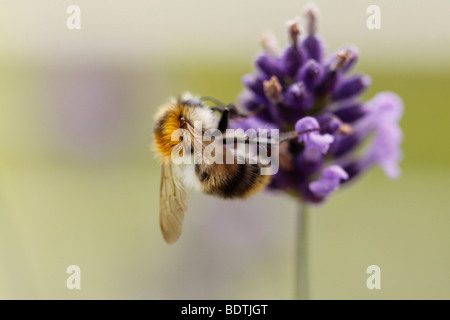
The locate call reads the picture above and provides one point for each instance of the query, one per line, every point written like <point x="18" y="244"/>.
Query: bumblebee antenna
<point x="214" y="100"/>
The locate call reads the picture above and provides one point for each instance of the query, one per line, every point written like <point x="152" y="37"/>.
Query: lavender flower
<point x="329" y="181"/>
<point x="298" y="89"/>
<point x="315" y="142"/>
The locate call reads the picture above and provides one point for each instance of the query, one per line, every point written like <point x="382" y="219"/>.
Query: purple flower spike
<point x="329" y="181"/>
<point x="308" y="132"/>
<point x="298" y="88"/>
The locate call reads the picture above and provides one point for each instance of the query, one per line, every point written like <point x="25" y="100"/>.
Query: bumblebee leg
<point x="225" y="114"/>
<point x="223" y="122"/>
<point x="234" y="113"/>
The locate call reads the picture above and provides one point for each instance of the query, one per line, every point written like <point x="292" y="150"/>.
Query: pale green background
<point x="79" y="185"/>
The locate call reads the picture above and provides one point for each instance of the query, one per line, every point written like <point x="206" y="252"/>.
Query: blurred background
<point x="79" y="185"/>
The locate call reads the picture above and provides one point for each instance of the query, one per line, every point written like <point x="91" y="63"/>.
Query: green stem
<point x="302" y="254"/>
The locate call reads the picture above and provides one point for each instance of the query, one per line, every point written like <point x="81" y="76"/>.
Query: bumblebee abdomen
<point x="231" y="180"/>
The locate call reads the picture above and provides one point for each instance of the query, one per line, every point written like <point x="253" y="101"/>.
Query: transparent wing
<point x="173" y="202"/>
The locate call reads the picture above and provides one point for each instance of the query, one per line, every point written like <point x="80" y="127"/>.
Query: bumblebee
<point x="238" y="179"/>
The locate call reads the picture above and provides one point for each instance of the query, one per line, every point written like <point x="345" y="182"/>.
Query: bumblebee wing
<point x="173" y="202"/>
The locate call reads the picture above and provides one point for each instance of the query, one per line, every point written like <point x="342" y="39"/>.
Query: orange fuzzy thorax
<point x="167" y="121"/>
